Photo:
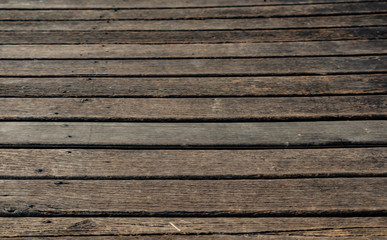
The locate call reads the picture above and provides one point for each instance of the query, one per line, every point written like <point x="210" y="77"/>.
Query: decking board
<point x="255" y="134"/>
<point x="185" y="197"/>
<point x="209" y="228"/>
<point x="350" y="84"/>
<point x="187" y="37"/>
<point x="197" y="13"/>
<point x="194" y="164"/>
<point x="228" y="50"/>
<point x="194" y="109"/>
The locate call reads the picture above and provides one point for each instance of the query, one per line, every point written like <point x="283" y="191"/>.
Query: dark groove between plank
<point x="197" y="30"/>
<point x="188" y="18"/>
<point x="181" y="58"/>
<point x="195" y="96"/>
<point x="203" y="7"/>
<point x="258" y="233"/>
<point x="197" y="75"/>
<point x="212" y="177"/>
<point x="380" y="116"/>
<point x="189" y="147"/>
<point x="343" y="213"/>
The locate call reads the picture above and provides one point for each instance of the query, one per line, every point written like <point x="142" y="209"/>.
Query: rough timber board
<point x="165" y="197"/>
<point x="317" y="48"/>
<point x="256" y="134"/>
<point x="197" y="13"/>
<point x="110" y="163"/>
<point x="194" y="86"/>
<point x="180" y="109"/>
<point x="259" y="228"/>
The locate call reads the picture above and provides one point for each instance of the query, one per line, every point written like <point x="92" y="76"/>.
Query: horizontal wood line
<point x="258" y="233"/>
<point x="380" y="116"/>
<point x="213" y="177"/>
<point x="196" y="75"/>
<point x="180" y="58"/>
<point x="191" y="18"/>
<point x="333" y="213"/>
<point x="204" y="7"/>
<point x="195" y="30"/>
<point x="188" y="147"/>
<point x="80" y="96"/>
<point x="204" y="42"/>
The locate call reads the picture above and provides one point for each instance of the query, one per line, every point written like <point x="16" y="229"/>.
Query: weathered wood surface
<point x="209" y="228"/>
<point x="85" y="4"/>
<point x="258" y="134"/>
<point x="207" y="24"/>
<point x="345" y="234"/>
<point x="184" y="67"/>
<point x="214" y="109"/>
<point x="194" y="86"/>
<point x="170" y="37"/>
<point x="320" y="48"/>
<point x="149" y="197"/>
<point x="109" y="163"/>
<point x="197" y="13"/>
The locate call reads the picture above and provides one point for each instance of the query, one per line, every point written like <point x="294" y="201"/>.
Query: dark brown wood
<point x="235" y="36"/>
<point x="210" y="228"/>
<point x="197" y="13"/>
<point x="317" y="48"/>
<point x="101" y="163"/>
<point x="84" y="4"/>
<point x="258" y="134"/>
<point x="230" y="109"/>
<point x="208" y="24"/>
<point x="295" y="196"/>
<point x="184" y="67"/>
<point x="194" y="86"/>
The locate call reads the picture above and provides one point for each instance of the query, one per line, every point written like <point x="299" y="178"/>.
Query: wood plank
<point x="344" y="234"/>
<point x="84" y="4"/>
<point x="259" y="228"/>
<point x="200" y="67"/>
<point x="197" y="13"/>
<point x="110" y="163"/>
<point x="207" y="24"/>
<point x="243" y="36"/>
<point x="194" y="86"/>
<point x="188" y="109"/>
<point x="146" y="198"/>
<point x="257" y="134"/>
<point x="195" y="50"/>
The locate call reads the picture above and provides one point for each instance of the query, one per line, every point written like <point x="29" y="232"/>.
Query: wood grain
<point x="208" y="24"/>
<point x="257" y="134"/>
<point x="172" y="37"/>
<point x="109" y="163"/>
<point x="184" y="67"/>
<point x="194" y="86"/>
<point x="186" y="109"/>
<point x="259" y="228"/>
<point x="84" y="4"/>
<point x="114" y="197"/>
<point x="195" y="50"/>
<point x="197" y="13"/>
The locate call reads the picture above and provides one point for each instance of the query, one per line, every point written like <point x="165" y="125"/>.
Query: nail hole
<point x="39" y="170"/>
<point x="30" y="205"/>
<point x="58" y="182"/>
<point x="56" y="113"/>
<point x="68" y="151"/>
<point x="69" y="136"/>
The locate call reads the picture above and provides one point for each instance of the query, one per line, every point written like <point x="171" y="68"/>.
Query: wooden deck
<point x="193" y="119"/>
